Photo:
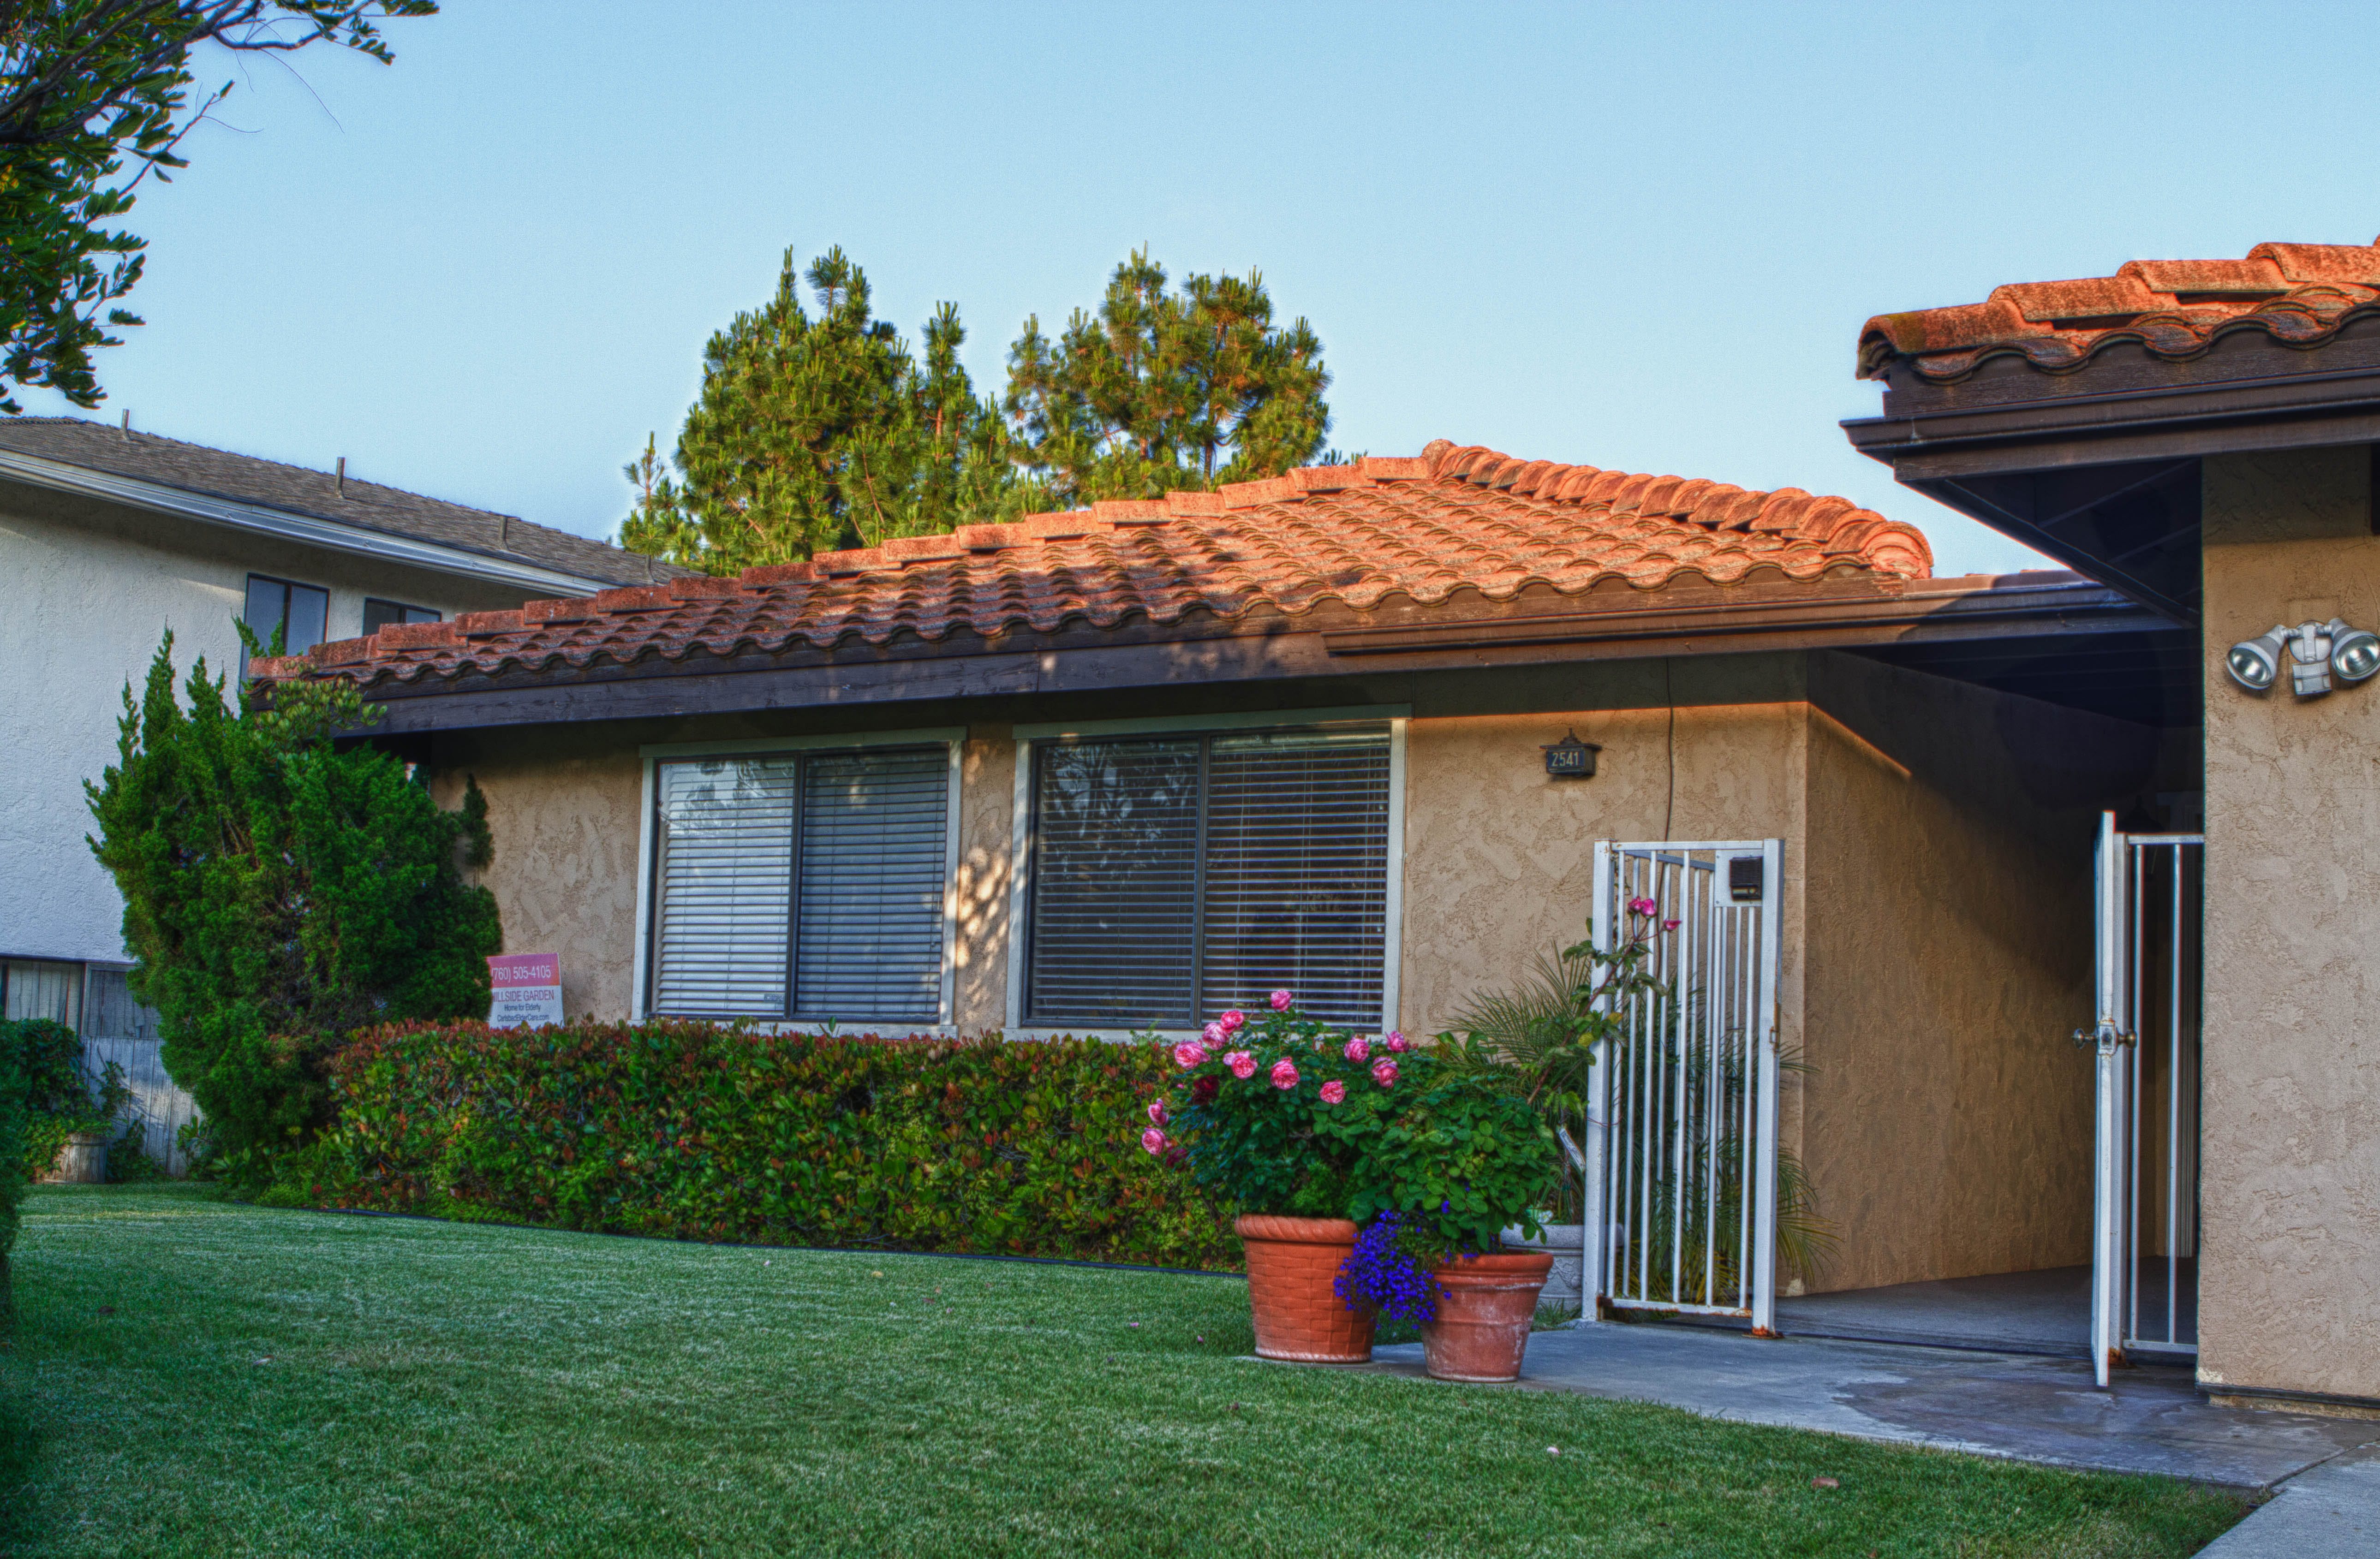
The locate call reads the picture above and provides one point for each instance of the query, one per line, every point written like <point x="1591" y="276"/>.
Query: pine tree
<point x="814" y="433"/>
<point x="1164" y="390"/>
<point x="817" y="433"/>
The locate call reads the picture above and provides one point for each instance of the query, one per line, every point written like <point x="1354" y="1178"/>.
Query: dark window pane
<point x="379" y="614"/>
<point x="310" y="611"/>
<point x="1115" y="840"/>
<point x="1298" y="872"/>
<point x="268" y="604"/>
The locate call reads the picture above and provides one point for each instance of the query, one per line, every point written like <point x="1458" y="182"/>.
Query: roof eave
<point x="1274" y="650"/>
<point x="290" y="525"/>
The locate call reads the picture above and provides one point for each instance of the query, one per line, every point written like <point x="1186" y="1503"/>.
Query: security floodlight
<point x="2310" y="660"/>
<point x="2354" y="652"/>
<point x="2253" y="663"/>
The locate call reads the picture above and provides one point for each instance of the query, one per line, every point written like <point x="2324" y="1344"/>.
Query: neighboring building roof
<point x="1378" y="532"/>
<point x="242" y="478"/>
<point x="2300" y="294"/>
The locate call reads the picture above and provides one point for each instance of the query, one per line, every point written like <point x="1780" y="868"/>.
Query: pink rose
<point x="1189" y="1053"/>
<point x="1213" y="1033"/>
<point x="1384" y="1073"/>
<point x="1642" y="906"/>
<point x="1157" y="1111"/>
<point x="1233" y="1020"/>
<point x="1241" y="1063"/>
<point x="1280" y="1000"/>
<point x="1398" y="1042"/>
<point x="1333" y="1091"/>
<point x="1153" y="1141"/>
<point x="1671" y="924"/>
<point x="1359" y="1050"/>
<point x="1284" y="1073"/>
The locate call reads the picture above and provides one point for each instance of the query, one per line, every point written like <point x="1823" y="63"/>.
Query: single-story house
<point x="1117" y="769"/>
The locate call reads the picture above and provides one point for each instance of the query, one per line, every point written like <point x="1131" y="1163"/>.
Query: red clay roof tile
<point x="1418" y="529"/>
<point x="2300" y="294"/>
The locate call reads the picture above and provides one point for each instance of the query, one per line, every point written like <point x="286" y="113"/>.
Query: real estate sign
<point x="528" y="990"/>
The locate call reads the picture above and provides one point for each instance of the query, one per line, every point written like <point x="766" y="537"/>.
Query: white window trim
<point x="950" y="737"/>
<point x="1395" y="716"/>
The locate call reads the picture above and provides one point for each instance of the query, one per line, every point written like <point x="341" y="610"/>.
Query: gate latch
<point x="2104" y="1038"/>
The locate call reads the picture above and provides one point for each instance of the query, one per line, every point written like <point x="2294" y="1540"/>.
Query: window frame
<point x="289" y="588"/>
<point x="650" y="757"/>
<point x="1020" y="863"/>
<point x="405" y="613"/>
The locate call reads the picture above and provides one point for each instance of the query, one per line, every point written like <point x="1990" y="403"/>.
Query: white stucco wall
<point x="92" y="587"/>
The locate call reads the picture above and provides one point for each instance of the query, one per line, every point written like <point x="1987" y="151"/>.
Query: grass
<point x="189" y="1376"/>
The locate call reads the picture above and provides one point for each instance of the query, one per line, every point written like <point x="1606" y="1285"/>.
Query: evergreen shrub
<point x="704" y="1131"/>
<point x="282" y="891"/>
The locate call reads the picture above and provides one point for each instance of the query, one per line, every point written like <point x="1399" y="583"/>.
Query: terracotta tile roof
<point x="2298" y="294"/>
<point x="1395" y="531"/>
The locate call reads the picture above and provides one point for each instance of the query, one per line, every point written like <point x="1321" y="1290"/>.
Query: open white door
<point x="2145" y="1243"/>
<point x="2112" y="1039"/>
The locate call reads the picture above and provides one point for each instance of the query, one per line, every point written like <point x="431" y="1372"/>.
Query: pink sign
<point x="528" y="990"/>
<point x="525" y="969"/>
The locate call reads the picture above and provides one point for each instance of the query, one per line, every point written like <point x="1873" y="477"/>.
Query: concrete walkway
<point x="2329" y="1512"/>
<point x="2026" y="1407"/>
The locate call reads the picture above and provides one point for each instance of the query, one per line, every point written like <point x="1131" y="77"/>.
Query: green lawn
<point x="187" y="1376"/>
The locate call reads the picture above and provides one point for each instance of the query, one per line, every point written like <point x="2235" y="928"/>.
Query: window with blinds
<point x="802" y="885"/>
<point x="1175" y="876"/>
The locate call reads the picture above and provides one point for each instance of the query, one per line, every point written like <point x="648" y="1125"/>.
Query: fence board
<point x="158" y="1102"/>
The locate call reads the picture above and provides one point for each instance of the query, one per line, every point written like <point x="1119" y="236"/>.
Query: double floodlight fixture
<point x="2313" y="652"/>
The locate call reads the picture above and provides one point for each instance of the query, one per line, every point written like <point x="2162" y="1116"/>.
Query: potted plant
<point x="1314" y="1132"/>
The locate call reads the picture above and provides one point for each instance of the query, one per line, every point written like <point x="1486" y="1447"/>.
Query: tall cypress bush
<point x="282" y="891"/>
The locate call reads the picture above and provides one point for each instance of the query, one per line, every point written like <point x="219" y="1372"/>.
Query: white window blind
<point x="1298" y="872"/>
<point x="1175" y="877"/>
<point x="806" y="886"/>
<point x="724" y="879"/>
<point x="869" y="943"/>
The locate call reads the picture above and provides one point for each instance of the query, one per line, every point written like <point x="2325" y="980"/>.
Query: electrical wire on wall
<point x="1668" y="694"/>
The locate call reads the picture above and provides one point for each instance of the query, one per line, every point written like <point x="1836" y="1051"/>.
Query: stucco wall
<point x="2290" y="1284"/>
<point x="1949" y="1128"/>
<point x="987" y="848"/>
<point x="565" y="809"/>
<point x="95" y="588"/>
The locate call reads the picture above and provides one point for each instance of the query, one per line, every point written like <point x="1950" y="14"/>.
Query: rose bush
<point x="1285" y="1114"/>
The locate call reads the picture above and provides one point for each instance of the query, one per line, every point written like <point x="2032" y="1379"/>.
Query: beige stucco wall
<point x="564" y="808"/>
<point x="1948" y="1113"/>
<point x="986" y="849"/>
<point x="2290" y="1285"/>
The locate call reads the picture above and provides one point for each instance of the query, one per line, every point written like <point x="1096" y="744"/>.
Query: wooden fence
<point x="158" y="1102"/>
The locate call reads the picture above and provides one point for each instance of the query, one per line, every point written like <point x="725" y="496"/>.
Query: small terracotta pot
<point x="1292" y="1263"/>
<point x="1485" y="1305"/>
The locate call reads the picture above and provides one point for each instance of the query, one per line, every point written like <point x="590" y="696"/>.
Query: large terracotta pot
<point x="1291" y="1262"/>
<point x="1485" y="1305"/>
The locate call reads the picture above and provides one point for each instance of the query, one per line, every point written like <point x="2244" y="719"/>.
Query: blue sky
<point x="1641" y="237"/>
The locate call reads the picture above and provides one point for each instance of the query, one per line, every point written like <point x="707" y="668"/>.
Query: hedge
<point x="725" y="1134"/>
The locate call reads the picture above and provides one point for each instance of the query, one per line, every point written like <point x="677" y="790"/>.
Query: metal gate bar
<point x="1681" y="1133"/>
<point x="2150" y="949"/>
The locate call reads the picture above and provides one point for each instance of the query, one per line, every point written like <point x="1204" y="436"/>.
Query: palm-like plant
<point x="1539" y="1037"/>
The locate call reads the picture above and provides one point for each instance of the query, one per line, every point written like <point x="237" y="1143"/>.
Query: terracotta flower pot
<point x="1485" y="1305"/>
<point x="1292" y="1263"/>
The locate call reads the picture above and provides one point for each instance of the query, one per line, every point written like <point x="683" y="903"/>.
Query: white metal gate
<point x="2144" y="1246"/>
<point x="1681" y="1152"/>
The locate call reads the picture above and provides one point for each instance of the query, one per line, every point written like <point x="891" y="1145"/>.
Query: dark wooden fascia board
<point x="2308" y="411"/>
<point x="615" y="693"/>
